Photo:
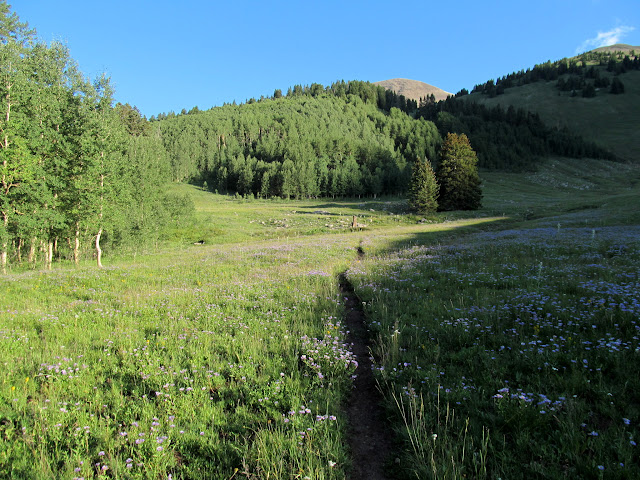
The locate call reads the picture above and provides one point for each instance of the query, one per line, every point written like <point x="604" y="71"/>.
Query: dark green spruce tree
<point x="617" y="87"/>
<point x="423" y="188"/>
<point x="458" y="175"/>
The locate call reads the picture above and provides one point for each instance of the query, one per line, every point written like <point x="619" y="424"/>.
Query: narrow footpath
<point x="370" y="437"/>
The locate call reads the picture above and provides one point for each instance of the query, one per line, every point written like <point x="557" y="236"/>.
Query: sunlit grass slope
<point x="227" y="219"/>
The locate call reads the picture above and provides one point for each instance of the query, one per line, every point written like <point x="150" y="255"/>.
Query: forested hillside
<point x="508" y="138"/>
<point x="299" y="146"/>
<point x="75" y="175"/>
<point x="572" y="74"/>
<point x="356" y="138"/>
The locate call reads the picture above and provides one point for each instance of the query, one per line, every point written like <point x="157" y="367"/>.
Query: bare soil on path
<point x="370" y="435"/>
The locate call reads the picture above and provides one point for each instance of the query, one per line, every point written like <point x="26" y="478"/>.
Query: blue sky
<point x="167" y="55"/>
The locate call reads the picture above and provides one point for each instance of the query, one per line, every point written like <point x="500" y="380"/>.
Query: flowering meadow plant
<point x="189" y="368"/>
<point x="531" y="336"/>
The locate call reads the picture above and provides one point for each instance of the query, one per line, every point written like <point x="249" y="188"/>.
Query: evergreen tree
<point x="617" y="86"/>
<point x="134" y="122"/>
<point x="423" y="188"/>
<point x="589" y="91"/>
<point x="458" y="175"/>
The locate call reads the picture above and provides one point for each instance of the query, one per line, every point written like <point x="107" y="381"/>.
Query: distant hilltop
<point x="413" y="89"/>
<point x="618" y="47"/>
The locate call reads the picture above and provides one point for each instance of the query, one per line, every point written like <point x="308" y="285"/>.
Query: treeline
<point x="511" y="139"/>
<point x="581" y="73"/>
<point x="327" y="142"/>
<point x="75" y="175"/>
<point x="369" y="93"/>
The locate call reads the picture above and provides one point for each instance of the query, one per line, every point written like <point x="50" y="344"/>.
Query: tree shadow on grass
<point x="435" y="233"/>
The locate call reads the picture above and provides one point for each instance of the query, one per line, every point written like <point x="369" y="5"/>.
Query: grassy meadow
<point x="506" y="341"/>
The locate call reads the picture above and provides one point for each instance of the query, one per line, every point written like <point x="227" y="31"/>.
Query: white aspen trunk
<point x="76" y="246"/>
<point x="49" y="254"/>
<point x="5" y="246"/>
<point x="3" y="258"/>
<point x="5" y="182"/>
<point x="32" y="250"/>
<point x="98" y="249"/>
<point x="19" y="250"/>
<point x="43" y="249"/>
<point x="5" y="216"/>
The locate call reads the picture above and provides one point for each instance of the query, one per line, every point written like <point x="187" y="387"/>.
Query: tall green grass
<point x="217" y="363"/>
<point x="513" y="353"/>
<point x="228" y="360"/>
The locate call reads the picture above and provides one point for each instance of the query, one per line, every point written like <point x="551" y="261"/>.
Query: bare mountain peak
<point x="618" y="47"/>
<point x="413" y="89"/>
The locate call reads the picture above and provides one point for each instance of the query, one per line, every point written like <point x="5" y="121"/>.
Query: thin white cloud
<point x="605" y="39"/>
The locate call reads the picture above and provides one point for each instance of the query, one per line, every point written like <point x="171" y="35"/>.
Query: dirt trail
<point x="370" y="436"/>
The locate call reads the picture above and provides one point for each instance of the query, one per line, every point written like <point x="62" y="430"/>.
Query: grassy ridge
<point x="572" y="192"/>
<point x="609" y="120"/>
